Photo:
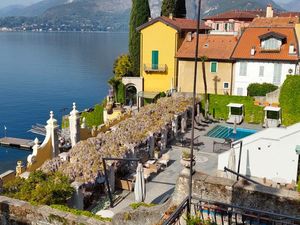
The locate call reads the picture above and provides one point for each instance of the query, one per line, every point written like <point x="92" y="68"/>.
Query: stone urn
<point x="185" y="161"/>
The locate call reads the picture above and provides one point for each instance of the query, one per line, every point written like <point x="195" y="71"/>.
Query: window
<point x="155" y="59"/>
<point x="217" y="26"/>
<point x="261" y="71"/>
<point x="277" y="74"/>
<point x="225" y="85"/>
<point x="271" y="44"/>
<point x="243" y="69"/>
<point x="240" y="91"/>
<point x="213" y="67"/>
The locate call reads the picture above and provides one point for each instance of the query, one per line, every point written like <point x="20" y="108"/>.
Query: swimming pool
<point x="220" y="131"/>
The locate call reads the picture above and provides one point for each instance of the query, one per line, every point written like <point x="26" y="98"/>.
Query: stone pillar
<point x="77" y="197"/>
<point x="151" y="143"/>
<point x="164" y="139"/>
<point x="111" y="177"/>
<point x="74" y="121"/>
<point x="52" y="129"/>
<point x="19" y="168"/>
<point x="83" y="124"/>
<point x="175" y="126"/>
<point x="32" y="157"/>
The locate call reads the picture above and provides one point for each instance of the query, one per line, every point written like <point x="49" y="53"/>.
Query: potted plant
<point x="156" y="153"/>
<point x="186" y="162"/>
<point x="169" y="212"/>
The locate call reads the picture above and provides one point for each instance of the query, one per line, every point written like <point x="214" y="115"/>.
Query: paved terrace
<point x="164" y="182"/>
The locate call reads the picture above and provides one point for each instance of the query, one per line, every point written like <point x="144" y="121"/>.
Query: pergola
<point x="236" y="113"/>
<point x="272" y="116"/>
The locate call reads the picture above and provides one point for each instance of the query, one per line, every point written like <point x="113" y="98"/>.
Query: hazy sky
<point x="4" y="3"/>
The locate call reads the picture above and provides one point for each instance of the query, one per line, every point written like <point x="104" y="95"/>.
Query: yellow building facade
<point x="216" y="51"/>
<point x="160" y="41"/>
<point x="219" y="82"/>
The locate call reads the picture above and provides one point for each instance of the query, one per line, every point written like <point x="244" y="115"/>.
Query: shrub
<point x="290" y="100"/>
<point x="121" y="93"/>
<point x="79" y="212"/>
<point x="94" y="118"/>
<point x="139" y="204"/>
<point x="257" y="89"/>
<point x="40" y="188"/>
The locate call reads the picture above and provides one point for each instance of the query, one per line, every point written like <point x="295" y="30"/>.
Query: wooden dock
<point x="17" y="143"/>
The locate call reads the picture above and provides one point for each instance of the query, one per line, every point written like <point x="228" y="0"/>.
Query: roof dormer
<point x="272" y="41"/>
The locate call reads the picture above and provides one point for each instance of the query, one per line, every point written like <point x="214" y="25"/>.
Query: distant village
<point x="227" y="155"/>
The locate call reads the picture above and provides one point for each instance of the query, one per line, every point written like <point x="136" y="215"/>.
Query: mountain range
<point x="112" y="14"/>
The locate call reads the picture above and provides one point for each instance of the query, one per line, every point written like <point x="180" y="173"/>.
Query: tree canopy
<point x="140" y="12"/>
<point x="175" y="7"/>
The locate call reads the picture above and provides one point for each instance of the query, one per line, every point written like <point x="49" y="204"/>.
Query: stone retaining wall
<point x="16" y="212"/>
<point x="235" y="193"/>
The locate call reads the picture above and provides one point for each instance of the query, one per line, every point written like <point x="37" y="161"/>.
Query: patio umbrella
<point x="231" y="163"/>
<point x="139" y="186"/>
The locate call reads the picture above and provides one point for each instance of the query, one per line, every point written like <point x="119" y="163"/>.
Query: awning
<point x="271" y="108"/>
<point x="235" y="105"/>
<point x="149" y="95"/>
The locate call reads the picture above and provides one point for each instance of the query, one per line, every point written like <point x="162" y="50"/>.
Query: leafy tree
<point x="176" y="7"/>
<point x="122" y="67"/>
<point x="168" y="7"/>
<point x="180" y="9"/>
<point x="40" y="188"/>
<point x="140" y="12"/>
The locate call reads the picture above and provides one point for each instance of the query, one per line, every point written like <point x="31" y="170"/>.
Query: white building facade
<point x="247" y="72"/>
<point x="270" y="153"/>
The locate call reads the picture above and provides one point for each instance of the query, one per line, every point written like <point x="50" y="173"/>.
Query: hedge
<point x="121" y="93"/>
<point x="94" y="118"/>
<point x="290" y="100"/>
<point x="218" y="104"/>
<point x="256" y="89"/>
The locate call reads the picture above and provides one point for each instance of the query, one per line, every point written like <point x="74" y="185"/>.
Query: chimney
<point x="292" y="49"/>
<point x="252" y="51"/>
<point x="189" y="37"/>
<point x="171" y="16"/>
<point x="269" y="12"/>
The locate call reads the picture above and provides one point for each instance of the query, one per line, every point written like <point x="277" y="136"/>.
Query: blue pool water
<point x="220" y="131"/>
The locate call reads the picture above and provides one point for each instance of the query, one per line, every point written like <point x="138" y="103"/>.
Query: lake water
<point x="40" y="72"/>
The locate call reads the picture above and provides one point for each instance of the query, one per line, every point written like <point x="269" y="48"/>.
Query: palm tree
<point x="203" y="60"/>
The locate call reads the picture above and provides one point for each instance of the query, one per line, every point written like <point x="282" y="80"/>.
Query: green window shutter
<point x="155" y="59"/>
<point x="213" y="67"/>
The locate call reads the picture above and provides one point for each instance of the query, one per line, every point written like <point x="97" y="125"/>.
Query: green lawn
<point x="253" y="114"/>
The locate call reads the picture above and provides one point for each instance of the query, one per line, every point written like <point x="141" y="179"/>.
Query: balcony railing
<point x="226" y="214"/>
<point x="155" y="67"/>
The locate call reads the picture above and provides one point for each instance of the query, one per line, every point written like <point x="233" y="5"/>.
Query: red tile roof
<point x="274" y="22"/>
<point x="290" y="14"/>
<point x="250" y="38"/>
<point x="218" y="47"/>
<point x="238" y="15"/>
<point x="179" y="24"/>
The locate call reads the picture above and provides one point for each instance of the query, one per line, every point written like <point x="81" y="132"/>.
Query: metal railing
<point x="226" y="214"/>
<point x="155" y="67"/>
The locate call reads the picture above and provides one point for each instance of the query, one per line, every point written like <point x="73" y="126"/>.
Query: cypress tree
<point x="140" y="12"/>
<point x="167" y="7"/>
<point x="180" y="9"/>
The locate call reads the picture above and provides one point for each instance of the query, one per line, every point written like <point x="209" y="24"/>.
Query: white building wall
<point x="267" y="157"/>
<point x="242" y="82"/>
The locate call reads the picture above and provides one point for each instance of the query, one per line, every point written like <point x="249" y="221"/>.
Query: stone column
<point x="164" y="139"/>
<point x="77" y="198"/>
<point x="151" y="143"/>
<point x="74" y="125"/>
<point x="111" y="177"/>
<point x="83" y="124"/>
<point x="52" y="129"/>
<point x="175" y="126"/>
<point x="183" y="125"/>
